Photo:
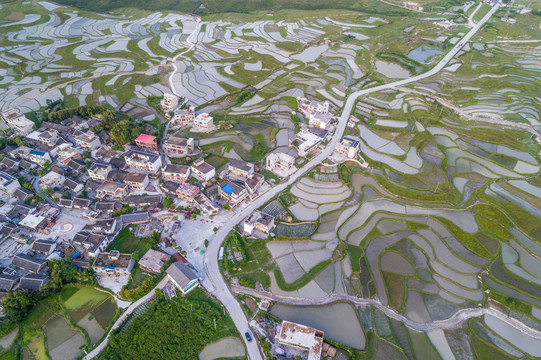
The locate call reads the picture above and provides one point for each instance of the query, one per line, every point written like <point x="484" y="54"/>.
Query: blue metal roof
<point x="228" y="189"/>
<point x="37" y="152"/>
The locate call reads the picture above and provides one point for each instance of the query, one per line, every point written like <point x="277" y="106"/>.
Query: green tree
<point x="18" y="303"/>
<point x="86" y="154"/>
<point x="168" y="202"/>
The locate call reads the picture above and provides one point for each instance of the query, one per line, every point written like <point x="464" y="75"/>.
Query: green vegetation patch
<point x="182" y="325"/>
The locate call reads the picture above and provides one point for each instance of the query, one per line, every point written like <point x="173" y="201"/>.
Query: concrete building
<point x="280" y="162"/>
<point x="147" y="141"/>
<point x="305" y="141"/>
<point x="320" y="120"/>
<point x="136" y="181"/>
<point x="88" y="141"/>
<point x="203" y="122"/>
<point x="169" y="102"/>
<point x="48" y="137"/>
<point x="153" y="261"/>
<point x="8" y="184"/>
<point x="52" y="179"/>
<point x="187" y="192"/>
<point x="113" y="263"/>
<point x="348" y="147"/>
<point x="206" y="206"/>
<point x="183" y="116"/>
<point x="98" y="171"/>
<point x="314" y="106"/>
<point x="202" y="171"/>
<point x="18" y="122"/>
<point x="259" y="221"/>
<point x="177" y="173"/>
<point x="38" y="156"/>
<point x="182" y="277"/>
<point x="112" y="189"/>
<point x="65" y="153"/>
<point x="143" y="160"/>
<point x="179" y="146"/>
<point x="253" y="183"/>
<point x="232" y="192"/>
<point x="303" y="338"/>
<point x="239" y="168"/>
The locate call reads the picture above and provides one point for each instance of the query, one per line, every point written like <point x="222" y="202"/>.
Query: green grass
<point x="12" y="354"/>
<point x="83" y="297"/>
<point x="34" y="341"/>
<point x="396" y="289"/>
<point x="126" y="242"/>
<point x="355" y="254"/>
<point x="303" y="280"/>
<point x="469" y="241"/>
<point x="270" y="175"/>
<point x="289" y="46"/>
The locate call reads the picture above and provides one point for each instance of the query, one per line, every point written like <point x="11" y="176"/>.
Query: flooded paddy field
<point x="339" y="321"/>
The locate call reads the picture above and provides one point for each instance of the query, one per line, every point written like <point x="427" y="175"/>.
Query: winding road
<point x="453" y="322"/>
<point x="173" y="62"/>
<point x="214" y="282"/>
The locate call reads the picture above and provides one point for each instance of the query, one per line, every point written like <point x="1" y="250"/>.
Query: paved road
<point x="215" y="283"/>
<point x="35" y="185"/>
<point x="453" y="322"/>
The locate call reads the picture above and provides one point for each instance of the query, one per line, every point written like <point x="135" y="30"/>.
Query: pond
<point x="424" y="53"/>
<point x="339" y="321"/>
<point x="392" y="70"/>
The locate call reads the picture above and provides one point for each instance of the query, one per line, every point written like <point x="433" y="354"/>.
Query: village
<point x="69" y="193"/>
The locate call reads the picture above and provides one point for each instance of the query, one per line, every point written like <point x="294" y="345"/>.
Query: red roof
<point x="144" y="138"/>
<point x="179" y="257"/>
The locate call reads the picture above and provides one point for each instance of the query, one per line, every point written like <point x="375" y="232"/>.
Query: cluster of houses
<point x="180" y="116"/>
<point x="82" y="174"/>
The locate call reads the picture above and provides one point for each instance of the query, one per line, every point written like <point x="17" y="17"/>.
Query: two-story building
<point x="177" y="173"/>
<point x="112" y="190"/>
<point x="113" y="263"/>
<point x="48" y="137"/>
<point x="18" y="122"/>
<point x="88" y="141"/>
<point x="348" y="147"/>
<point x="187" y="192"/>
<point x="314" y="106"/>
<point x="202" y="171"/>
<point x="259" y="221"/>
<point x="278" y="161"/>
<point x="175" y="146"/>
<point x="143" y="160"/>
<point x="98" y="171"/>
<point x="136" y="181"/>
<point x="240" y="169"/>
<point x="183" y="116"/>
<point x="147" y="141"/>
<point x="203" y="122"/>
<point x="234" y="193"/>
<point x="39" y="157"/>
<point x="8" y="184"/>
<point x="320" y="120"/>
<point x="169" y="102"/>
